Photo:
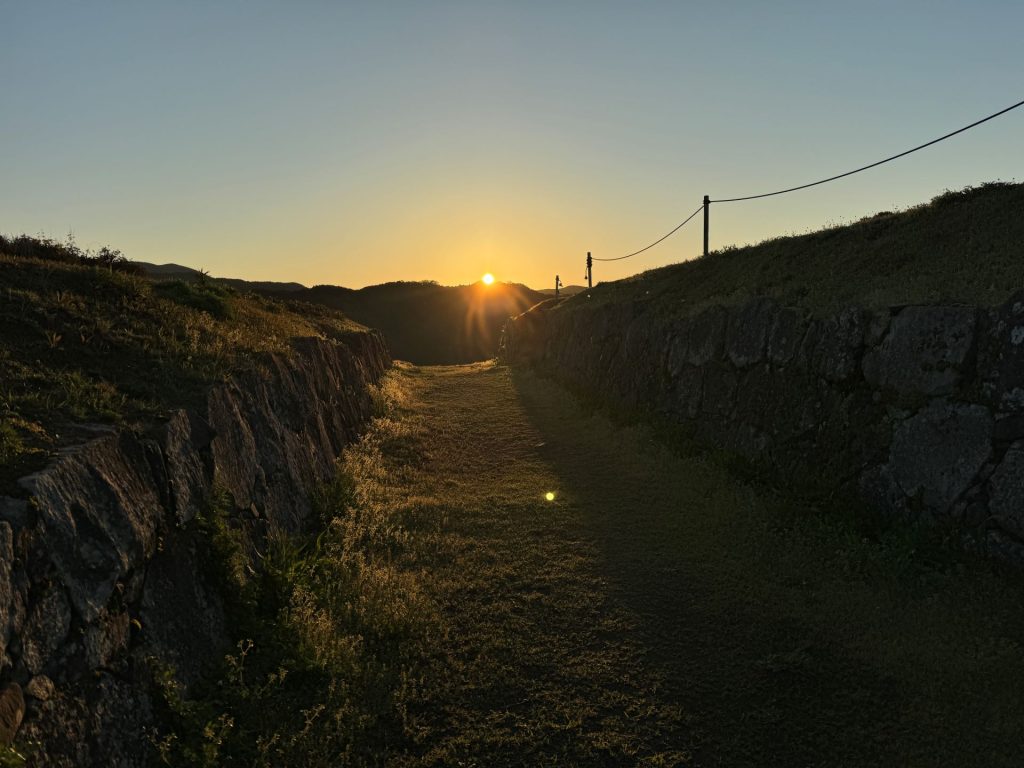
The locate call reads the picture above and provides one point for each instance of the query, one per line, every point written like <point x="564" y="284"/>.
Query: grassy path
<point x="660" y="611"/>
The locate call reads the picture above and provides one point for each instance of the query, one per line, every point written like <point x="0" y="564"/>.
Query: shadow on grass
<point x="788" y="637"/>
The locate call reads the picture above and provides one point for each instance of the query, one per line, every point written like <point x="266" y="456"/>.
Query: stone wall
<point x="102" y="567"/>
<point x="916" y="410"/>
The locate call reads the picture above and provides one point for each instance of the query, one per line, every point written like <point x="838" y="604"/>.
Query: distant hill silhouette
<point x="424" y="322"/>
<point x="427" y="323"/>
<point x="161" y="272"/>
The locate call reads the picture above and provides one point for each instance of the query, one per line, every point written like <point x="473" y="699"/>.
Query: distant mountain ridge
<point x="427" y="323"/>
<point x="424" y="322"/>
<point x="161" y="272"/>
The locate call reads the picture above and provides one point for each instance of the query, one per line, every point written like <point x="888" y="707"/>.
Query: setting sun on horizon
<point x="487" y="279"/>
<point x="435" y="134"/>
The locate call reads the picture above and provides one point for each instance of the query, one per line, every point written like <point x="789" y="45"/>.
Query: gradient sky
<point x="356" y="143"/>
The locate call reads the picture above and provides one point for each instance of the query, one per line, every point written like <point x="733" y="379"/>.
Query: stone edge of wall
<point x="100" y="568"/>
<point x="918" y="411"/>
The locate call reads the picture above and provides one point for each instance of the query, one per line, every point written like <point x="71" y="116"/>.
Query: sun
<point x="488" y="278"/>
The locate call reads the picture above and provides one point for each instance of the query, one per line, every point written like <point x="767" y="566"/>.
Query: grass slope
<point x="428" y="324"/>
<point x="962" y="247"/>
<point x="661" y="611"/>
<point x="84" y="343"/>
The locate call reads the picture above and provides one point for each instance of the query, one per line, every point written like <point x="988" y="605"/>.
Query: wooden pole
<point x="590" y="271"/>
<point x="707" y="208"/>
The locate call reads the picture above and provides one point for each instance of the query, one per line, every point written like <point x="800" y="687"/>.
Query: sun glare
<point x="549" y="496"/>
<point x="488" y="278"/>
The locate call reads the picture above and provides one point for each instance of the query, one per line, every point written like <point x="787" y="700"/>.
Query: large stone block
<point x="706" y="336"/>
<point x="839" y="342"/>
<point x="786" y="335"/>
<point x="926" y="351"/>
<point x="46" y="629"/>
<point x="6" y="590"/>
<point x="937" y="453"/>
<point x="100" y="508"/>
<point x="719" y="394"/>
<point x="1005" y="374"/>
<point x="189" y="474"/>
<point x="1006" y="491"/>
<point x="748" y="330"/>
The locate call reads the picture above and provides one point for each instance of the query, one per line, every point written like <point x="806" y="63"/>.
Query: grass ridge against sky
<point x="354" y="144"/>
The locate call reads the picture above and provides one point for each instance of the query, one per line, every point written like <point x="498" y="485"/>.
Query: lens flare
<point x="488" y="278"/>
<point x="549" y="496"/>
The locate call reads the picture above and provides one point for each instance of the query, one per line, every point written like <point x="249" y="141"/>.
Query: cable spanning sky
<point x="357" y="143"/>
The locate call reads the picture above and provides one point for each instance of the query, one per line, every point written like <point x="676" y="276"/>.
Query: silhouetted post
<point x="707" y="208"/>
<point x="590" y="270"/>
<point x="558" y="284"/>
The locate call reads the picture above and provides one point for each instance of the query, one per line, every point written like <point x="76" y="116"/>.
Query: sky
<point x="355" y="143"/>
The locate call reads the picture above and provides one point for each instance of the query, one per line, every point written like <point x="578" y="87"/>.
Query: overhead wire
<point x="646" y="248"/>
<point x="815" y="183"/>
<point x="872" y="165"/>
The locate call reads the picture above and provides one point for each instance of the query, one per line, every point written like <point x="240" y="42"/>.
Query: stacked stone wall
<point x="918" y="411"/>
<point x="103" y="569"/>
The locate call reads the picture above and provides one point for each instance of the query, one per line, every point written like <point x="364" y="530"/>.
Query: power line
<point x="634" y="253"/>
<point x="866" y="167"/>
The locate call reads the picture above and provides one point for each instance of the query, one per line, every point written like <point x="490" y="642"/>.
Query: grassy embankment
<point x="661" y="611"/>
<point x="84" y="340"/>
<point x="962" y="247"/>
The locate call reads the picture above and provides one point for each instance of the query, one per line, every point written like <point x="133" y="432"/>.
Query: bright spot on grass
<point x="488" y="278"/>
<point x="549" y="496"/>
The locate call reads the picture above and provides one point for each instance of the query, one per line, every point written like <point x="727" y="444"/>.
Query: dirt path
<point x="662" y="612"/>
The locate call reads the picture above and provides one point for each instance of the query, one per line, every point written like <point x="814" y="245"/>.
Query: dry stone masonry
<point x="101" y="568"/>
<point x="916" y="410"/>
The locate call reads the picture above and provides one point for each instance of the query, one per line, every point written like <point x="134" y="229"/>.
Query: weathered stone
<point x="706" y="336"/>
<point x="719" y="390"/>
<point x="100" y="508"/>
<point x="879" y="489"/>
<point x="1009" y="427"/>
<point x="236" y="466"/>
<point x="840" y="339"/>
<point x="105" y="638"/>
<point x="184" y="442"/>
<point x="96" y="543"/>
<point x="925" y="352"/>
<point x="1005" y="548"/>
<point x="41" y="688"/>
<point x="14" y="511"/>
<point x="689" y="385"/>
<point x="786" y="335"/>
<point x="46" y="628"/>
<point x="1006" y="490"/>
<point x="877" y="327"/>
<point x="937" y="453"/>
<point x="748" y="329"/>
<point x="6" y="590"/>
<point x="1006" y="377"/>
<point x="109" y="723"/>
<point x="182" y="615"/>
<point x="12" y="710"/>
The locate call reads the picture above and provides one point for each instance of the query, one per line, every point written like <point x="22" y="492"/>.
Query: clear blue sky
<point x="354" y="143"/>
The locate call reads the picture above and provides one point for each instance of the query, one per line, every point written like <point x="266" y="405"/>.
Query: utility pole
<point x="590" y="270"/>
<point x="707" y="208"/>
<point x="558" y="284"/>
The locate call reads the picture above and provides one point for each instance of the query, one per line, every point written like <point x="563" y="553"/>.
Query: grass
<point x="84" y="341"/>
<point x="331" y="634"/>
<point x="962" y="247"/>
<point x="661" y="611"/>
